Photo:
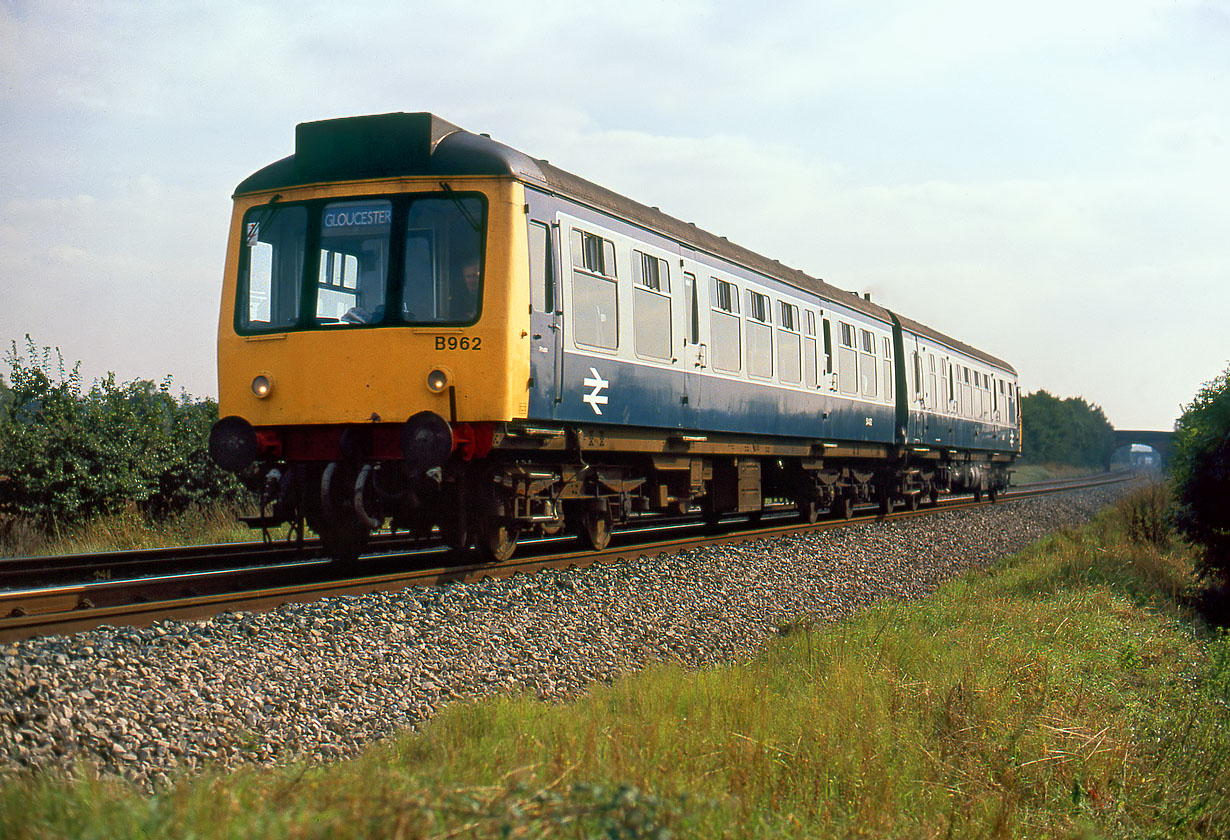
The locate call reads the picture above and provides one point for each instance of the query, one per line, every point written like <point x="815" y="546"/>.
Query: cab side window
<point x="542" y="286"/>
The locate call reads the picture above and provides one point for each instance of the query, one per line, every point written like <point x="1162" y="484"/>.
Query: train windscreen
<point x="378" y="261"/>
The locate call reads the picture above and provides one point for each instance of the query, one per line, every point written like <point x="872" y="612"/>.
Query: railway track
<point x="42" y="596"/>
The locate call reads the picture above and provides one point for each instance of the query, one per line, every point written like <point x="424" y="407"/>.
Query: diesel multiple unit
<point x="426" y="329"/>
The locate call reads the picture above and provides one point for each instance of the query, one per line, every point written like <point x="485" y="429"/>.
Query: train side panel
<point x="608" y="377"/>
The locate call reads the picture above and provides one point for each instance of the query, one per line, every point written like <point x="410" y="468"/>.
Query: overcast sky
<point x="1048" y="181"/>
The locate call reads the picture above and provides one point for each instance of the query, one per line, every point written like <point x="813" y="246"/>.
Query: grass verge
<point x="128" y="530"/>
<point x="1023" y="473"/>
<point x="1066" y="692"/>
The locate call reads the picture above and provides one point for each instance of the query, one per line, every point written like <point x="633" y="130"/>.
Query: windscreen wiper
<point x="469" y="217"/>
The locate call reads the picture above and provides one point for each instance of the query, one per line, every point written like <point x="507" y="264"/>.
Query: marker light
<point x="437" y="381"/>
<point x="261" y="386"/>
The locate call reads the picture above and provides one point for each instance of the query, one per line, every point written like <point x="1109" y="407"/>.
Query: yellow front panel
<point x="347" y="376"/>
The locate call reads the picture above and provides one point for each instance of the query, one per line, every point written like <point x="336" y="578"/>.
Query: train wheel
<point x="886" y="505"/>
<point x="843" y="508"/>
<point x="977" y="495"/>
<point x="453" y="518"/>
<point x="809" y="511"/>
<point x="595" y="528"/>
<point x="497" y="541"/>
<point x="343" y="535"/>
<point x="345" y="541"/>
<point x="934" y="496"/>
<point x="454" y="530"/>
<point x="911" y="501"/>
<point x="993" y="493"/>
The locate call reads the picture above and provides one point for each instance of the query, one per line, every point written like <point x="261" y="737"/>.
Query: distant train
<point x="426" y="329"/>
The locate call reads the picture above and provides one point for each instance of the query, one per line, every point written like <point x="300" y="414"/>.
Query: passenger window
<point x="759" y="336"/>
<point x="789" y="313"/>
<point x="725" y="332"/>
<point x="595" y="303"/>
<point x="651" y="306"/>
<point x="651" y="272"/>
<point x="847" y="361"/>
<point x="758" y="307"/>
<point x="790" y="345"/>
<point x="593" y="253"/>
<point x="725" y="296"/>
<point x="867" y="366"/>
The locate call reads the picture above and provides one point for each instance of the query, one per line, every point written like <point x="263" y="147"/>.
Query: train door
<point x="695" y="356"/>
<point x="916" y="399"/>
<point x="546" y="312"/>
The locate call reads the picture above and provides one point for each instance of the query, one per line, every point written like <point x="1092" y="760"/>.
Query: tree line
<point x="1064" y="431"/>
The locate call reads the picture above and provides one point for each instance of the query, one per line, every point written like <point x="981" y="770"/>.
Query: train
<point x="424" y="329"/>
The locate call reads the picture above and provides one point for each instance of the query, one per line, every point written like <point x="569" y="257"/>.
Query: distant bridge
<point x="1159" y="441"/>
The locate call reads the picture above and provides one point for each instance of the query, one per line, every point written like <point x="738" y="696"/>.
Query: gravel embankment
<point x="324" y="679"/>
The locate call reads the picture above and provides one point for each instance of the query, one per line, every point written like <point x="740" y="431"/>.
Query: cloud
<point x="1035" y="179"/>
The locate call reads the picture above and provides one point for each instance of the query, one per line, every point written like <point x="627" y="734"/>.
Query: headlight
<point x="262" y="386"/>
<point x="437" y="381"/>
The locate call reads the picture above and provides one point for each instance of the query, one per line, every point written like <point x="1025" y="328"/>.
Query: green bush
<point x="68" y="454"/>
<point x="1068" y="431"/>
<point x="1200" y="470"/>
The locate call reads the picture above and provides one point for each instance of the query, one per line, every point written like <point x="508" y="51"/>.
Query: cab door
<point x="546" y="334"/>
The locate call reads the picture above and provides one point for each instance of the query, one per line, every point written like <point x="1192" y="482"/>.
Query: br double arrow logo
<point x="595" y="397"/>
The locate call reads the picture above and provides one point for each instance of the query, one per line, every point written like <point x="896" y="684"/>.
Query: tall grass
<point x="1068" y="691"/>
<point x="127" y="530"/>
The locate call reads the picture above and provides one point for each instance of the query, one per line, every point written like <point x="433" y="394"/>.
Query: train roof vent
<point x="367" y="146"/>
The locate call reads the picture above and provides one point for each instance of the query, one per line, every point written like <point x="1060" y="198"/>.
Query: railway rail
<point x="198" y="582"/>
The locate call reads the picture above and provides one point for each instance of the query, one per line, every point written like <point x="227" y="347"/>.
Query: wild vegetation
<point x="1200" y="465"/>
<point x="1064" y="431"/>
<point x="1069" y="691"/>
<point x="70" y="455"/>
